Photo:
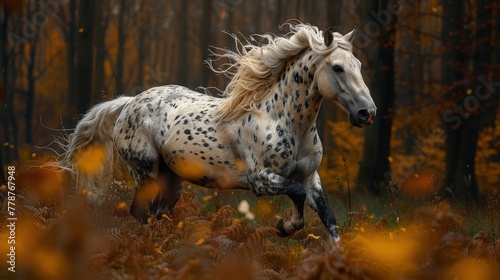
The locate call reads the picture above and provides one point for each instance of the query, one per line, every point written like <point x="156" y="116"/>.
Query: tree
<point x="375" y="163"/>
<point x="10" y="69"/>
<point x="84" y="55"/>
<point x="68" y="27"/>
<point x="32" y="7"/>
<point x="206" y="34"/>
<point x="182" y="66"/>
<point x="4" y="61"/>
<point x="464" y="129"/>
<point x="122" y="37"/>
<point x="101" y="25"/>
<point x="452" y="77"/>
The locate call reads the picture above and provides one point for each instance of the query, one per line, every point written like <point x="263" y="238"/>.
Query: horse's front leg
<point x="317" y="200"/>
<point x="268" y="183"/>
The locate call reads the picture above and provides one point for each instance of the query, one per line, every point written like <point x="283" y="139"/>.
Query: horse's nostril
<point x="363" y="114"/>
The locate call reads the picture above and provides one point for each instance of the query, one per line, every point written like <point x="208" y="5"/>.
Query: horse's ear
<point x="351" y="35"/>
<point x="328" y="36"/>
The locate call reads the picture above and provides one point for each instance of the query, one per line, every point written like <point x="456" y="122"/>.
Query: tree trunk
<point x="206" y="34"/>
<point x="374" y="167"/>
<point x="84" y="54"/>
<point x="411" y="70"/>
<point x="70" y="35"/>
<point x="120" y="56"/>
<point x="465" y="176"/>
<point x="30" y="102"/>
<point x="3" y="63"/>
<point x="101" y="23"/>
<point x="183" y="67"/>
<point x="491" y="104"/>
<point x="32" y="7"/>
<point x="5" y="78"/>
<point x="11" y="74"/>
<point x="452" y="77"/>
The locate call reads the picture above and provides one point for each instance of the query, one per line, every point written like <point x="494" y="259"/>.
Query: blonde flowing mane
<point x="254" y="69"/>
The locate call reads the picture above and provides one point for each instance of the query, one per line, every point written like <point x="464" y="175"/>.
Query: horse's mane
<point x="254" y="69"/>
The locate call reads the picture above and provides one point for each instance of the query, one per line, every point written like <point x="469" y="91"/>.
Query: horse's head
<point x="339" y="78"/>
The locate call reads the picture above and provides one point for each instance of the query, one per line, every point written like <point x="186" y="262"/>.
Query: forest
<point x="416" y="192"/>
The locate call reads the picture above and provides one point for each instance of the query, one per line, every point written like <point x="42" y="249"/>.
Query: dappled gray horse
<point x="260" y="136"/>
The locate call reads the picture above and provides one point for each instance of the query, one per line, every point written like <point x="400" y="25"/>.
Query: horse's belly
<point x="207" y="170"/>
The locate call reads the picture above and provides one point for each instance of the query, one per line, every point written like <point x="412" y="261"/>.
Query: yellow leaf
<point x="180" y="224"/>
<point x="90" y="160"/>
<point x="200" y="241"/>
<point x="402" y="229"/>
<point x="121" y="205"/>
<point x="391" y="236"/>
<point x="207" y="197"/>
<point x="277" y="217"/>
<point x="312" y="236"/>
<point x="166" y="216"/>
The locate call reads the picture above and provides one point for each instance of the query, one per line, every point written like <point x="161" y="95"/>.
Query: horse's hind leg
<point x="145" y="173"/>
<point x="142" y="160"/>
<point x="158" y="188"/>
<point x="169" y="191"/>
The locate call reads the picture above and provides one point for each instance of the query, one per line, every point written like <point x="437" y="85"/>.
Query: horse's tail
<point x="88" y="151"/>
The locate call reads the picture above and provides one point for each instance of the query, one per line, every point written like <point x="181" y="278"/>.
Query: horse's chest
<point x="302" y="165"/>
<point x="288" y="155"/>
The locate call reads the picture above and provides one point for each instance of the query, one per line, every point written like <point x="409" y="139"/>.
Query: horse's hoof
<point x="281" y="229"/>
<point x="139" y="213"/>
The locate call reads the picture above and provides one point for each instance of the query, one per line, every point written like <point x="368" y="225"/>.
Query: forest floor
<point x="213" y="235"/>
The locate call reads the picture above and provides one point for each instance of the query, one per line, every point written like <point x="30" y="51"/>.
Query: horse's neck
<point x="295" y="99"/>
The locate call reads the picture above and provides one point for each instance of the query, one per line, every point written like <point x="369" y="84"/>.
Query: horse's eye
<point x="338" y="69"/>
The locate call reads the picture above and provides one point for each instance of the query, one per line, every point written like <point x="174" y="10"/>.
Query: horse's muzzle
<point x="363" y="117"/>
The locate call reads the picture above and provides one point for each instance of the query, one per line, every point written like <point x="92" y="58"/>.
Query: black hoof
<point x="281" y="229"/>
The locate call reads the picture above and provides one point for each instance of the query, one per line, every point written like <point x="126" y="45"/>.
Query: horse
<point x="260" y="135"/>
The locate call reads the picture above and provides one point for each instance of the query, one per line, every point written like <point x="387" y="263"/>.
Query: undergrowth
<point x="61" y="235"/>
